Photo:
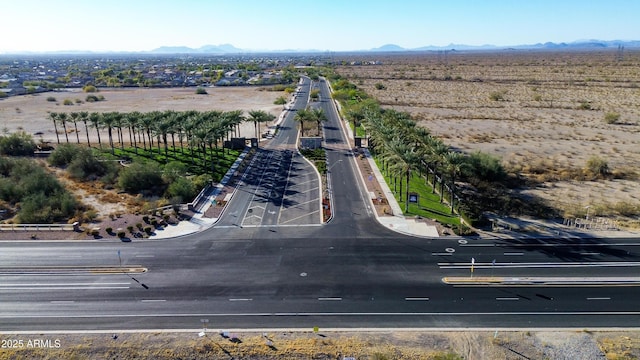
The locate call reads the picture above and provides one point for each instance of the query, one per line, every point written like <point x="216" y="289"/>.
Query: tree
<point x="63" y="120"/>
<point x="455" y="163"/>
<point x="319" y="117"/>
<point x="108" y="120"/>
<point x="257" y="117"/>
<point x="94" y="119"/>
<point x="54" y="117"/>
<point x="302" y="116"/>
<point x="84" y="116"/>
<point x="404" y="159"/>
<point x="74" y="116"/>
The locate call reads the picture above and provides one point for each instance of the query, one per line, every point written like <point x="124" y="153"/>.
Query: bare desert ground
<point x="329" y="345"/>
<point x="542" y="113"/>
<point x="30" y="112"/>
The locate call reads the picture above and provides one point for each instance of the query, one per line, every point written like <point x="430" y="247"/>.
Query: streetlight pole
<point x="587" y="216"/>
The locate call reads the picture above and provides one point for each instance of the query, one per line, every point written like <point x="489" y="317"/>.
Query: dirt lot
<point x="30" y="112"/>
<point x="542" y="113"/>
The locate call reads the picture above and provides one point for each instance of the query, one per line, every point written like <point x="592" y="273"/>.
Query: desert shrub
<point x="484" y="167"/>
<point x="44" y="208"/>
<point x="280" y="101"/>
<point x="141" y="177"/>
<point x="89" y="89"/>
<point x="85" y="165"/>
<point x="63" y="154"/>
<point x="173" y="170"/>
<point x="611" y="117"/>
<point x="585" y="105"/>
<point x="67" y="102"/>
<point x="380" y="86"/>
<point x="3" y="95"/>
<point x="109" y="230"/>
<point x="597" y="166"/>
<point x="80" y="161"/>
<point x="201" y="91"/>
<point x="51" y="99"/>
<point x="17" y="144"/>
<point x="121" y="234"/>
<point x="497" y="95"/>
<point x="91" y="98"/>
<point x="182" y="188"/>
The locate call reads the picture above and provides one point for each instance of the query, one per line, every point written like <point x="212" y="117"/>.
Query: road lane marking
<point x="331" y="314"/>
<point x="63" y="284"/>
<point x="507" y="299"/>
<point x="145" y="256"/>
<point x="513" y="254"/>
<point x="329" y="299"/>
<point x="67" y="288"/>
<point x="441" y="254"/>
<point x="416" y="299"/>
<point x="598" y="298"/>
<point x="152" y="300"/>
<point x="241" y="299"/>
<point x="589" y="253"/>
<point x="488" y="265"/>
<point x="62" y="302"/>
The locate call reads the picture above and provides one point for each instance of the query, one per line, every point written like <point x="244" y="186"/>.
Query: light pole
<point x="587" y="216"/>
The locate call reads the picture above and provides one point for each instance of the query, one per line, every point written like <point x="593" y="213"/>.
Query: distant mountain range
<point x="580" y="44"/>
<point x="225" y="49"/>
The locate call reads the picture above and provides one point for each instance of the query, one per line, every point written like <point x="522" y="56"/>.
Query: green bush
<point x="89" y="89"/>
<point x="201" y="91"/>
<point x="611" y="117"/>
<point x="51" y="99"/>
<point x="91" y="98"/>
<point x="63" y="155"/>
<point x="17" y="144"/>
<point x="181" y="188"/>
<point x="141" y="177"/>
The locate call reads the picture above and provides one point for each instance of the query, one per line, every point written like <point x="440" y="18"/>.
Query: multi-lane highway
<point x="270" y="263"/>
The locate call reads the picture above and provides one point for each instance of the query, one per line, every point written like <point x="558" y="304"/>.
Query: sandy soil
<point x="538" y="121"/>
<point x="478" y="345"/>
<point x="30" y="112"/>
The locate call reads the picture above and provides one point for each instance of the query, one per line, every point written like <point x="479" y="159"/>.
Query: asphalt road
<point x="351" y="272"/>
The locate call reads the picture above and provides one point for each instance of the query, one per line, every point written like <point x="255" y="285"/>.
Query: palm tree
<point x="131" y="120"/>
<point x="319" y="116"/>
<point x="455" y="163"/>
<point x="148" y="120"/>
<point x="236" y="117"/>
<point x="108" y="121"/>
<point x="63" y="120"/>
<point x="74" y="118"/>
<point x="404" y="159"/>
<point x="163" y="127"/>
<point x="84" y="116"/>
<point x="54" y="118"/>
<point x="255" y="116"/>
<point x="302" y="116"/>
<point x="94" y="119"/>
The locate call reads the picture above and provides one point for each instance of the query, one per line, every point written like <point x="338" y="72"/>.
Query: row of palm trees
<point x="195" y="129"/>
<point x="309" y="114"/>
<point x="405" y="149"/>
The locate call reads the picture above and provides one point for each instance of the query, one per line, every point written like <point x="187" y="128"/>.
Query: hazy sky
<point x="140" y="25"/>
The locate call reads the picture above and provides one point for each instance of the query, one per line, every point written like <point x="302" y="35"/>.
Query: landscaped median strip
<point x="540" y="281"/>
<point x="72" y="270"/>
